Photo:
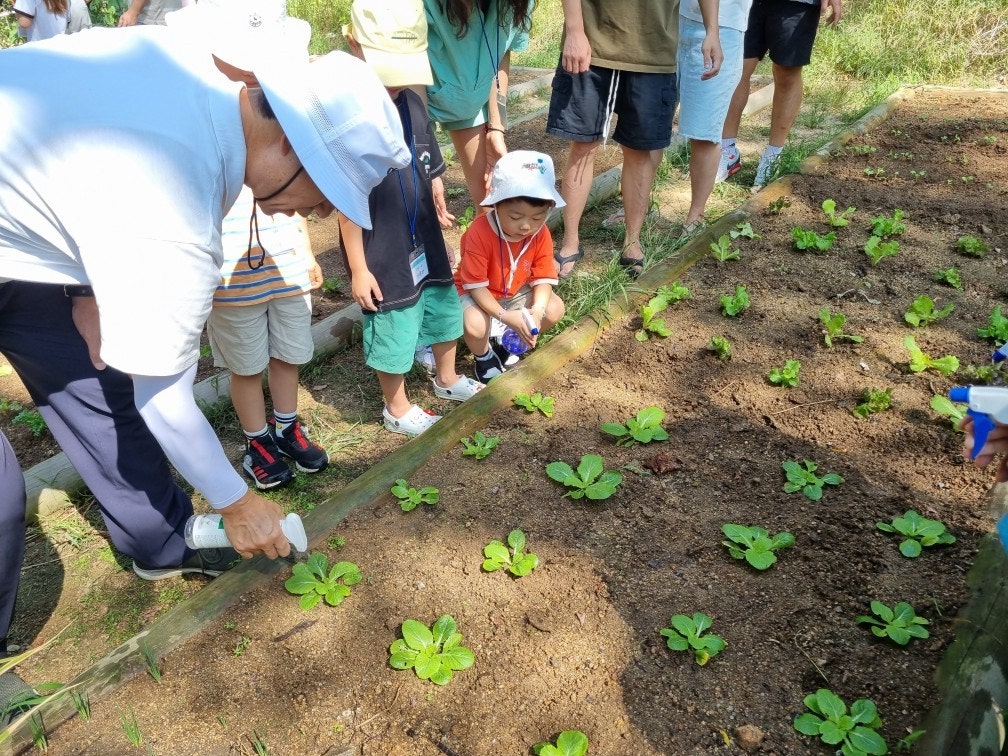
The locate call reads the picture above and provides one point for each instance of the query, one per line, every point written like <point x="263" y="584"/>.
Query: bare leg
<point x="739" y="100"/>
<point x="477" y="330"/>
<point x="787" y="101"/>
<point x="283" y="386"/>
<point x="444" y="361"/>
<point x="703" y="165"/>
<point x="393" y="388"/>
<point x="639" y="167"/>
<point x="471" y="150"/>
<point x="575" y="188"/>
<point x="249" y="402"/>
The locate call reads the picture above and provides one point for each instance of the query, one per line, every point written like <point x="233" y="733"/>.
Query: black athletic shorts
<point x="784" y="28"/>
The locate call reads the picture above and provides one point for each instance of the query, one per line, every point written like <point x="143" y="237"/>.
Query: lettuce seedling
<point x="972" y="246"/>
<point x="877" y="250"/>
<point x="919" y="361"/>
<point x="743" y="231"/>
<point x="833" y="324"/>
<point x="944" y="406"/>
<point x="479" y="445"/>
<point x="591" y="478"/>
<point x="514" y="560"/>
<point x="806" y="239"/>
<point x="314" y="580"/>
<point x="723" y="251"/>
<point x="754" y="544"/>
<point x="918" y="531"/>
<point x="721" y="347"/>
<point x="805" y="480"/>
<point x="787" y="375"/>
<point x="899" y="624"/>
<point x="688" y="633"/>
<point x="836" y="220"/>
<point x="884" y="226"/>
<point x="922" y="312"/>
<point x="830" y="722"/>
<point x="982" y="374"/>
<point x="642" y="429"/>
<point x="733" y="305"/>
<point x="997" y="327"/>
<point x="432" y="652"/>
<point x="409" y="497"/>
<point x="568" y="743"/>
<point x="674" y="292"/>
<point x="535" y="402"/>
<point x="650" y="324"/>
<point x="872" y="401"/>
<point x="949" y="276"/>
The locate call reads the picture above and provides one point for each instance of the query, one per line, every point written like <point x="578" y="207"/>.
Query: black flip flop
<point x="569" y="259"/>
<point x="633" y="266"/>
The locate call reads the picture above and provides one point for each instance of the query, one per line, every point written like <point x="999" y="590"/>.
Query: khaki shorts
<point x="243" y="339"/>
<point x="522" y="299"/>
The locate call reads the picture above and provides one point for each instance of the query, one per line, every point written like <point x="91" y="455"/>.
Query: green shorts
<point x="391" y="338"/>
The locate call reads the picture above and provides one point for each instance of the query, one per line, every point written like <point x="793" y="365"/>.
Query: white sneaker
<point x="413" y="423"/>
<point x="730" y="164"/>
<point x="767" y="163"/>
<point x="424" y="357"/>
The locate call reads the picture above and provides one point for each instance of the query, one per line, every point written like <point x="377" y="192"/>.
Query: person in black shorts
<point x="787" y="30"/>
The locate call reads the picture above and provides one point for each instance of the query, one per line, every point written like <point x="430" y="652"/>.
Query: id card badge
<point x="418" y="264"/>
<point x="502" y="109"/>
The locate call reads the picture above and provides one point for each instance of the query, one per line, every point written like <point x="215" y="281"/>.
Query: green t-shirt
<point x="464" y="68"/>
<point x="633" y="35"/>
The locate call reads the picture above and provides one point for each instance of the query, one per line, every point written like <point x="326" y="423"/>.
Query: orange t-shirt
<point x="489" y="260"/>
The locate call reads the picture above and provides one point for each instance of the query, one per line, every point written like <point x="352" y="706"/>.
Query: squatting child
<point x="507" y="258"/>
<point x="400" y="271"/>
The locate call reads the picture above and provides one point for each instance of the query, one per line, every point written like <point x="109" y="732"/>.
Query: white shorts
<point x="244" y="338"/>
<point x="703" y="105"/>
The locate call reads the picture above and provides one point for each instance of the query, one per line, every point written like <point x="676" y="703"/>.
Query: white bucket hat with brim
<point x="523" y="173"/>
<point x="240" y="32"/>
<point x="344" y="128"/>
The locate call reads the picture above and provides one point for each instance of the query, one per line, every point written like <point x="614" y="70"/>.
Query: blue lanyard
<point x="495" y="62"/>
<point x="407" y="123"/>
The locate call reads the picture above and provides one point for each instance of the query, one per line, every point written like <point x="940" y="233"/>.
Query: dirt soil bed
<point x="575" y="644"/>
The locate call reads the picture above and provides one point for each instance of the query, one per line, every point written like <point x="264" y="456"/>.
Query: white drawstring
<point x="610" y="106"/>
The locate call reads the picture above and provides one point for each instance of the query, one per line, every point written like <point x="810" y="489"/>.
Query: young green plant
<point x="828" y="720"/>
<point x="972" y="246"/>
<point x="590" y="480"/>
<point x="885" y="226"/>
<point x="651" y="325"/>
<point x="433" y="653"/>
<point x="898" y="623"/>
<point x="721" y="347"/>
<point x="877" y="250"/>
<point x="479" y="445"/>
<point x="733" y="304"/>
<point x="808" y="240"/>
<point x="410" y="497"/>
<point x="918" y="533"/>
<point x="787" y="375"/>
<point x="743" y="230"/>
<point x="688" y="633"/>
<point x="511" y="557"/>
<point x="922" y="312"/>
<point x="832" y="327"/>
<point x="997" y="327"/>
<point x="754" y="544"/>
<point x="313" y="580"/>
<point x="722" y="250"/>
<point x="644" y="428"/>
<point x="802" y="477"/>
<point x="919" y="361"/>
<point x="872" y="401"/>
<point x="945" y="407"/>
<point x="836" y="220"/>
<point x="568" y="743"/>
<point x="535" y="403"/>
<point x="949" y="276"/>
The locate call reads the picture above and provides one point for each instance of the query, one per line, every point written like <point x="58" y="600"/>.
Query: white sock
<point x="284" y="420"/>
<point x="771" y="151"/>
<point x="728" y="144"/>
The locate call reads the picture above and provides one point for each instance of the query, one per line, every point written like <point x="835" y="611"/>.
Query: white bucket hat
<point x="523" y="173"/>
<point x="393" y="36"/>
<point x="240" y="32"/>
<point x="344" y="128"/>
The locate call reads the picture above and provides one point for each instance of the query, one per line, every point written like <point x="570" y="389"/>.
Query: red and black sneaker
<point x="293" y="442"/>
<point x="263" y="463"/>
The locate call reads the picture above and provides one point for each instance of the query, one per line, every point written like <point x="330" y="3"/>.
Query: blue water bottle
<point x="512" y="341"/>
